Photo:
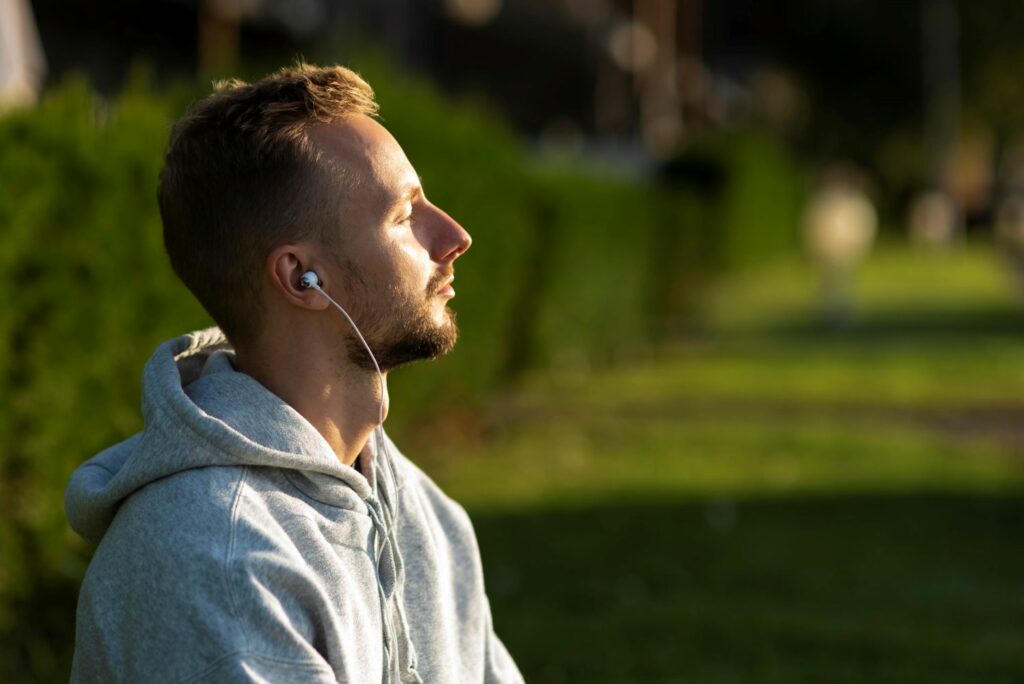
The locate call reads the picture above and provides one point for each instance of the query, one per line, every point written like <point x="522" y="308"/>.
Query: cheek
<point x="384" y="260"/>
<point x="396" y="270"/>
<point x="415" y="262"/>
<point x="415" y="256"/>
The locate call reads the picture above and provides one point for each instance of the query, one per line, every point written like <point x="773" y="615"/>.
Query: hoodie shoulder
<point x="159" y="570"/>
<point x="178" y="525"/>
<point x="213" y="565"/>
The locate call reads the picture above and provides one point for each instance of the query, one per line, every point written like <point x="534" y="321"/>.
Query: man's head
<point x="264" y="181"/>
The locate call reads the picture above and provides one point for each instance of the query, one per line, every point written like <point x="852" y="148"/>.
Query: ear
<point x="284" y="267"/>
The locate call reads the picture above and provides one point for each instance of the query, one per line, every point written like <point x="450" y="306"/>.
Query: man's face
<point x="392" y="264"/>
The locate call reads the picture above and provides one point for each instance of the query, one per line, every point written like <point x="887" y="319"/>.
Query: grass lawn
<point x="769" y="501"/>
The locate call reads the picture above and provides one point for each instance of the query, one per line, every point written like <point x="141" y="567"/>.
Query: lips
<point x="446" y="286"/>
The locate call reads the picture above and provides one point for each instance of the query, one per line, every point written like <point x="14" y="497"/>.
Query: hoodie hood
<point x="199" y="411"/>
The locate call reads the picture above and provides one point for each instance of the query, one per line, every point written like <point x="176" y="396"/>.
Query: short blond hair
<point x="241" y="177"/>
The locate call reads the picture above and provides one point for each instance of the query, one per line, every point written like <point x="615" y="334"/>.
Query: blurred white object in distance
<point x="22" y="63"/>
<point x="839" y="230"/>
<point x="839" y="226"/>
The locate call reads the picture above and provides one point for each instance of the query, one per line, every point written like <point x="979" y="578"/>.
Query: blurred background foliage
<point x="747" y="378"/>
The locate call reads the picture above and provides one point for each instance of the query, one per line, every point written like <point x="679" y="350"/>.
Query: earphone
<point x="310" y="280"/>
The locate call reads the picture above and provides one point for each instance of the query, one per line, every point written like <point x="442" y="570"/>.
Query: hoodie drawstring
<point x="390" y="571"/>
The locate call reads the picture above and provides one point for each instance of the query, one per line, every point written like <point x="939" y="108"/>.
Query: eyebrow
<point x="411" y="191"/>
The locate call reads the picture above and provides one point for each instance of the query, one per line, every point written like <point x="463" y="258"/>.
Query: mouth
<point x="446" y="289"/>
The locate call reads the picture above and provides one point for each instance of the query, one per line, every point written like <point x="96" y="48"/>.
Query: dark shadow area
<point x="860" y="588"/>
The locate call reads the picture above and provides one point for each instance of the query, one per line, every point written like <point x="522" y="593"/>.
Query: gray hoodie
<point x="234" y="546"/>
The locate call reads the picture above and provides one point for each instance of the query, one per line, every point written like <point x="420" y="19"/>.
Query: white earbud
<point x="309" y="279"/>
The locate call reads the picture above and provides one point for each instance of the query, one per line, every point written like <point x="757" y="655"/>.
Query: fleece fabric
<point x="233" y="546"/>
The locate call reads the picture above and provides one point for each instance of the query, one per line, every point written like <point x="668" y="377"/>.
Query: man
<point x="253" y="531"/>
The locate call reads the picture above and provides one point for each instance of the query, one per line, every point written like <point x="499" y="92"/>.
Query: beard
<point x="399" y="327"/>
<point x="408" y="340"/>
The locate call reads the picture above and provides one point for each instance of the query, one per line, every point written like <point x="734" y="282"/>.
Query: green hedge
<point x="561" y="266"/>
<point x="87" y="295"/>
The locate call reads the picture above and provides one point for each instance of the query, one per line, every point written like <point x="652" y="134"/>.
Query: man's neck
<point x="343" y="404"/>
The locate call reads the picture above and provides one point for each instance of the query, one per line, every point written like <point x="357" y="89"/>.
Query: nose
<point x="450" y="239"/>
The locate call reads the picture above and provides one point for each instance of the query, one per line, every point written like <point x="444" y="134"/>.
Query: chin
<point x="421" y="342"/>
<point x="445" y="318"/>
